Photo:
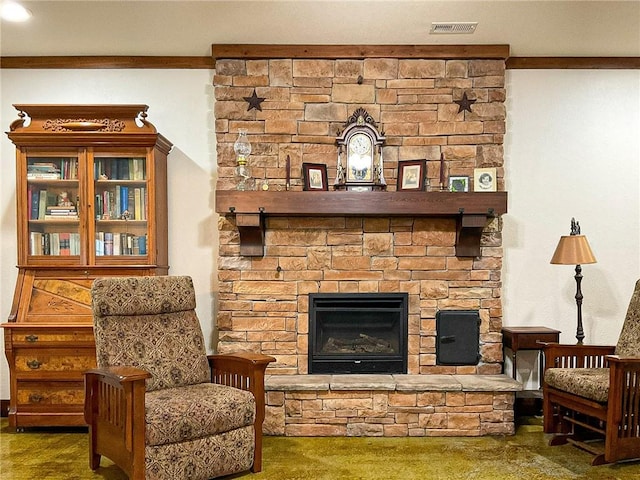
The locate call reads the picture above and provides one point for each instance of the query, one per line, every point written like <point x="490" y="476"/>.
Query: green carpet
<point x="63" y="454"/>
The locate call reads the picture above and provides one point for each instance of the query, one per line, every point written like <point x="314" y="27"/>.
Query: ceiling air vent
<point x="453" y="27"/>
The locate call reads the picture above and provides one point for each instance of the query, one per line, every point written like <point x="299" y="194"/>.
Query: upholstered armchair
<point x="593" y="392"/>
<point x="157" y="405"/>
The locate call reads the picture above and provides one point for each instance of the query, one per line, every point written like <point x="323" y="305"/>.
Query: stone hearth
<point x="390" y="405"/>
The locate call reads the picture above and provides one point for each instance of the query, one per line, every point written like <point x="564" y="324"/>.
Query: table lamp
<point x="574" y="249"/>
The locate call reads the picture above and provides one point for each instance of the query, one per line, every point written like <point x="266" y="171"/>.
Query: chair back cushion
<point x="150" y="323"/>
<point x="629" y="340"/>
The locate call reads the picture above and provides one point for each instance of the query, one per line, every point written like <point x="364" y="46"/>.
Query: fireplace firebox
<point x="358" y="333"/>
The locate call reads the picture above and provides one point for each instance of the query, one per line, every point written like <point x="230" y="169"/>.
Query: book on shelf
<point x="61" y="208"/>
<point x="46" y="244"/>
<point x="32" y="200"/>
<point x="138" y="169"/>
<point x="124" y="199"/>
<point x="137" y="203"/>
<point x="74" y="243"/>
<point x="142" y="245"/>
<point x="117" y="195"/>
<point x="99" y="244"/>
<point x="131" y="203"/>
<point x="42" y="176"/>
<point x="43" y="170"/>
<point x="35" y="243"/>
<point x="42" y="204"/>
<point x="42" y="167"/>
<point x="117" y="243"/>
<point x="108" y="243"/>
<point x="62" y="218"/>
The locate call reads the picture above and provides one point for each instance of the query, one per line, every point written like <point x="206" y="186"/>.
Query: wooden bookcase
<point x="91" y="198"/>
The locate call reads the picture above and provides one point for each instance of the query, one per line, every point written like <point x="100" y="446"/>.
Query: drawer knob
<point x="35" y="398"/>
<point x="31" y="338"/>
<point x="34" y="364"/>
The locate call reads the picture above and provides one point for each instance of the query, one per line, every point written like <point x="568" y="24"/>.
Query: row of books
<point x="63" y="168"/>
<point x="116" y="243"/>
<point x="68" y="243"/>
<point x="56" y="243"/>
<point x="44" y="204"/>
<point x="119" y="168"/>
<point x="122" y="202"/>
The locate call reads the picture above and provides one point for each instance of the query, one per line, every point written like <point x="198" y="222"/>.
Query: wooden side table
<point x="528" y="338"/>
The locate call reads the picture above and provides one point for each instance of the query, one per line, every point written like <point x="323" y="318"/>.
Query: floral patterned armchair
<point x="157" y="405"/>
<point x="593" y="392"/>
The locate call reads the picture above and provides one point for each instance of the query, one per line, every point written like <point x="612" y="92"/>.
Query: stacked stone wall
<point x="263" y="302"/>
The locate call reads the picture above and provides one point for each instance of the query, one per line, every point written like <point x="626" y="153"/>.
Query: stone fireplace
<point x="265" y="295"/>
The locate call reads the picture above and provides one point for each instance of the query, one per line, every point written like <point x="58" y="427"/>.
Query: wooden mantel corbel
<point x="251" y="230"/>
<point x="471" y="210"/>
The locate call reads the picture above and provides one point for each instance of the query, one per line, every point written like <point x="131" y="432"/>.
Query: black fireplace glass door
<point x="358" y="333"/>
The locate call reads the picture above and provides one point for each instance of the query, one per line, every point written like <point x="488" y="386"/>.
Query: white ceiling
<point x="532" y="28"/>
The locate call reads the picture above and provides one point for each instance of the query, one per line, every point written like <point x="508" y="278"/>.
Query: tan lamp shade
<point x="573" y="250"/>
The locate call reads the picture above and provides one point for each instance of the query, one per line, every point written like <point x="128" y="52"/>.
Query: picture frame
<point x="459" y="183"/>
<point x="484" y="179"/>
<point x="314" y="176"/>
<point x="411" y="175"/>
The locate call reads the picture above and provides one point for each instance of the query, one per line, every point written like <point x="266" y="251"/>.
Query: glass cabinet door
<point x="120" y="204"/>
<point x="53" y="206"/>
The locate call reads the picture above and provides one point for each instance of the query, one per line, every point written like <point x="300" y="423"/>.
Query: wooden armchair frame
<point x="115" y="408"/>
<point x="574" y="419"/>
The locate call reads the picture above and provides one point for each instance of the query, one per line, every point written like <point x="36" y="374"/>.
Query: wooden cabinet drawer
<point x="42" y="396"/>
<point x="528" y="338"/>
<point x="531" y="342"/>
<point x="66" y="363"/>
<point x="37" y="337"/>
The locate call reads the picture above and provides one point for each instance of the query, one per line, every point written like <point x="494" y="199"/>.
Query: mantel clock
<point x="361" y="144"/>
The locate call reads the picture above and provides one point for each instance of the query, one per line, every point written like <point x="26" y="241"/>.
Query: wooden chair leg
<point x="257" y="453"/>
<point x="94" y="461"/>
<point x="547" y="415"/>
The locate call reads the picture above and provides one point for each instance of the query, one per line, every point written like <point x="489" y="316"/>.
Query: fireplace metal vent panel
<point x="358" y="333"/>
<point x="458" y="337"/>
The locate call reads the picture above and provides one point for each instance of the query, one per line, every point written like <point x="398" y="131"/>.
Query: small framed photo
<point x="484" y="179"/>
<point x="314" y="176"/>
<point x="411" y="175"/>
<point x="459" y="184"/>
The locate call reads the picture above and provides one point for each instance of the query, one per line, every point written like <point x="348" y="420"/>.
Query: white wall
<point x="181" y="107"/>
<point x="572" y="149"/>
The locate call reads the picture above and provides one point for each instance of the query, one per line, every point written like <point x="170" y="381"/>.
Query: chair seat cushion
<point x="591" y="383"/>
<point x="196" y="411"/>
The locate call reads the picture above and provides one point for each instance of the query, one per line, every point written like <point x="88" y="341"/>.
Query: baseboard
<point x="4" y="408"/>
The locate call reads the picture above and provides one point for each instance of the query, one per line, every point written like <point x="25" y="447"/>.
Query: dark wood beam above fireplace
<point x="260" y="51"/>
<point x="471" y="210"/>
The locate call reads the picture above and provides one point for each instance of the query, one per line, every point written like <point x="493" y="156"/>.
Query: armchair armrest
<point x="120" y="375"/>
<point x="114" y="406"/>
<point x="244" y="370"/>
<point x="576" y="356"/>
<point x="120" y="378"/>
<point x="624" y="374"/>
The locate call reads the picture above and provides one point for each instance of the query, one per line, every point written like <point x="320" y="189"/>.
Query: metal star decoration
<point x="464" y="103"/>
<point x="254" y="101"/>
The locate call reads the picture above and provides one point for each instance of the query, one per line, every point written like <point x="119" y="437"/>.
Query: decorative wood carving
<point x="83" y="124"/>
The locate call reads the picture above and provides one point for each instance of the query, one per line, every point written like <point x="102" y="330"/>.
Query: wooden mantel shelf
<point x="470" y="209"/>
